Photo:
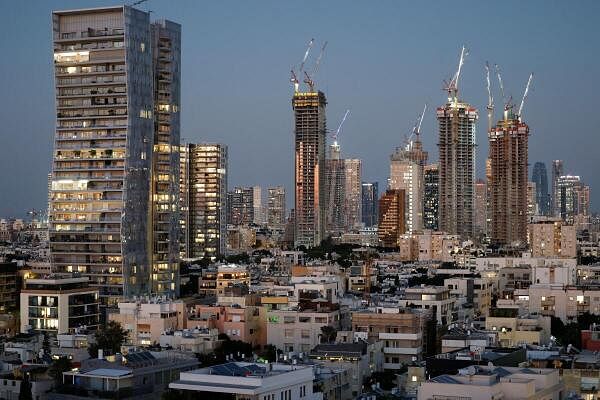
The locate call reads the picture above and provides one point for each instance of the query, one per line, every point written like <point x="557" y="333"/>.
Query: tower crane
<point x="452" y="86"/>
<point x="294" y="77"/>
<point x="416" y="128"/>
<point x="337" y="132"/>
<point x="507" y="102"/>
<point x="490" y="105"/>
<point x="308" y="79"/>
<point x="525" y="95"/>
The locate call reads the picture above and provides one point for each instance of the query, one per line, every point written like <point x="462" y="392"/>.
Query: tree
<point x="110" y="339"/>
<point x="328" y="334"/>
<point x="25" y="391"/>
<point x="62" y="364"/>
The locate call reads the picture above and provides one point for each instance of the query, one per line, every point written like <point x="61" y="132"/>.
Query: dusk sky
<point x="384" y="60"/>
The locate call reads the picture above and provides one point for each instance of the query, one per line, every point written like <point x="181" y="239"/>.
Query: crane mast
<point x="309" y="79"/>
<point x="294" y="77"/>
<point x="337" y="132"/>
<point x="490" y="105"/>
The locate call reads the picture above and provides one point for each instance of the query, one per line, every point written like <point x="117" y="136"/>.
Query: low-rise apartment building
<point x="515" y="330"/>
<point x="436" y="298"/>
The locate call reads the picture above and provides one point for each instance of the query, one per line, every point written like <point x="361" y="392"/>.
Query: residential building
<point x="476" y="291"/>
<point x="564" y="302"/>
<point x="437" y="246"/>
<point x="403" y="332"/>
<point x="310" y="136"/>
<point x="437" y="298"/>
<point x="205" y="198"/>
<point x="457" y="121"/>
<point x="240" y="206"/>
<point x="9" y="292"/>
<point x="490" y="382"/>
<point x="532" y="206"/>
<point x="540" y="178"/>
<point x="145" y="321"/>
<point x="360" y="358"/>
<point x="557" y="171"/>
<point x="59" y="304"/>
<point x="199" y="341"/>
<point x="276" y="207"/>
<point x="508" y="146"/>
<point x="391" y="217"/>
<point x="370" y="203"/>
<point x="459" y="338"/>
<point x="406" y="173"/>
<point x="257" y="202"/>
<point x="249" y="381"/>
<point x="145" y="374"/>
<point x="117" y="97"/>
<point x="567" y="201"/>
<point x="431" y="197"/>
<point x="516" y="330"/>
<point x="342" y="192"/>
<point x="551" y="237"/>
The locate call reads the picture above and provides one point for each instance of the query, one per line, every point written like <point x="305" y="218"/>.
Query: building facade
<point x="540" y="178"/>
<point x="276" y="207"/>
<point x="557" y="171"/>
<point x="310" y="137"/>
<point x="204" y="195"/>
<point x="481" y="206"/>
<point x="117" y="118"/>
<point x="240" y="206"/>
<point x="508" y="147"/>
<point x="391" y="218"/>
<point x="370" y="203"/>
<point x="456" y="166"/>
<point x="431" y="197"/>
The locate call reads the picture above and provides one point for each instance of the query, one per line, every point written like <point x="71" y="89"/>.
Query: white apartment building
<point x="436" y="298"/>
<point x="250" y="381"/>
<point x="564" y="302"/>
<point x="477" y="291"/>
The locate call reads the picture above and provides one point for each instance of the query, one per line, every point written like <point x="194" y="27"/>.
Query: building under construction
<point x="508" y="145"/>
<point x="457" y="161"/>
<point x="391" y="217"/>
<point x="310" y="137"/>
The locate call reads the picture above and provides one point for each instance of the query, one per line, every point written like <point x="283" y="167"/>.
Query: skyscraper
<point x="573" y="197"/>
<point x="391" y="217"/>
<point x="205" y="197"/>
<point x="117" y="102"/>
<point x="557" y="171"/>
<point x="406" y="173"/>
<point x="342" y="192"/>
<point x="457" y="164"/>
<point x="276" y="211"/>
<point x="259" y="210"/>
<point x="240" y="206"/>
<point x="431" y="197"/>
<point x="532" y="204"/>
<point x="508" y="145"/>
<point x="309" y="130"/>
<point x="540" y="178"/>
<point x="370" y="203"/>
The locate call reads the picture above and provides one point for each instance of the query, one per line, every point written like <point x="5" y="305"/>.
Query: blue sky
<point x="384" y="60"/>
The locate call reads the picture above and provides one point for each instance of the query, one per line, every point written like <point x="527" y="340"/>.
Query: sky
<point x="384" y="61"/>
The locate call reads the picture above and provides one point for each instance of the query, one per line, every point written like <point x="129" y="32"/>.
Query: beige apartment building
<point x="477" y="291"/>
<point x="564" y="302"/>
<point x="436" y="298"/>
<point x="515" y="330"/>
<point x="550" y="237"/>
<point x="147" y="320"/>
<point x="402" y="331"/>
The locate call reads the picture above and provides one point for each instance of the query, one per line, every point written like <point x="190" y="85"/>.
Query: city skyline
<point x="353" y="74"/>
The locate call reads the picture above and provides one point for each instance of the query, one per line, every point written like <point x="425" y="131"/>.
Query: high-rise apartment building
<point x="342" y="192"/>
<point x="257" y="203"/>
<point x="557" y="171"/>
<point x="370" y="203"/>
<point x="276" y="208"/>
<point x="310" y="132"/>
<point x="113" y="212"/>
<point x="540" y="178"/>
<point x="204" y="196"/>
<point x="391" y="217"/>
<point x="457" y="165"/>
<point x="532" y="204"/>
<point x="573" y="197"/>
<point x="406" y="173"/>
<point x="431" y="197"/>
<point x="240" y="206"/>
<point x="508" y="145"/>
<point x="480" y="207"/>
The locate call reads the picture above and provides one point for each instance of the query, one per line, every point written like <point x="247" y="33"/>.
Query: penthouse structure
<point x="113" y="182"/>
<point x="457" y="165"/>
<point x="204" y="199"/>
<point x="310" y="137"/>
<point x="508" y="145"/>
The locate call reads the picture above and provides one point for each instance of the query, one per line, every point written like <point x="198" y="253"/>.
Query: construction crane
<point x="416" y="131"/>
<point x="294" y="77"/>
<point x="507" y="102"/>
<point x="309" y="80"/>
<point x="452" y="86"/>
<point x="337" y="132"/>
<point x="490" y="105"/>
<point x="525" y="95"/>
